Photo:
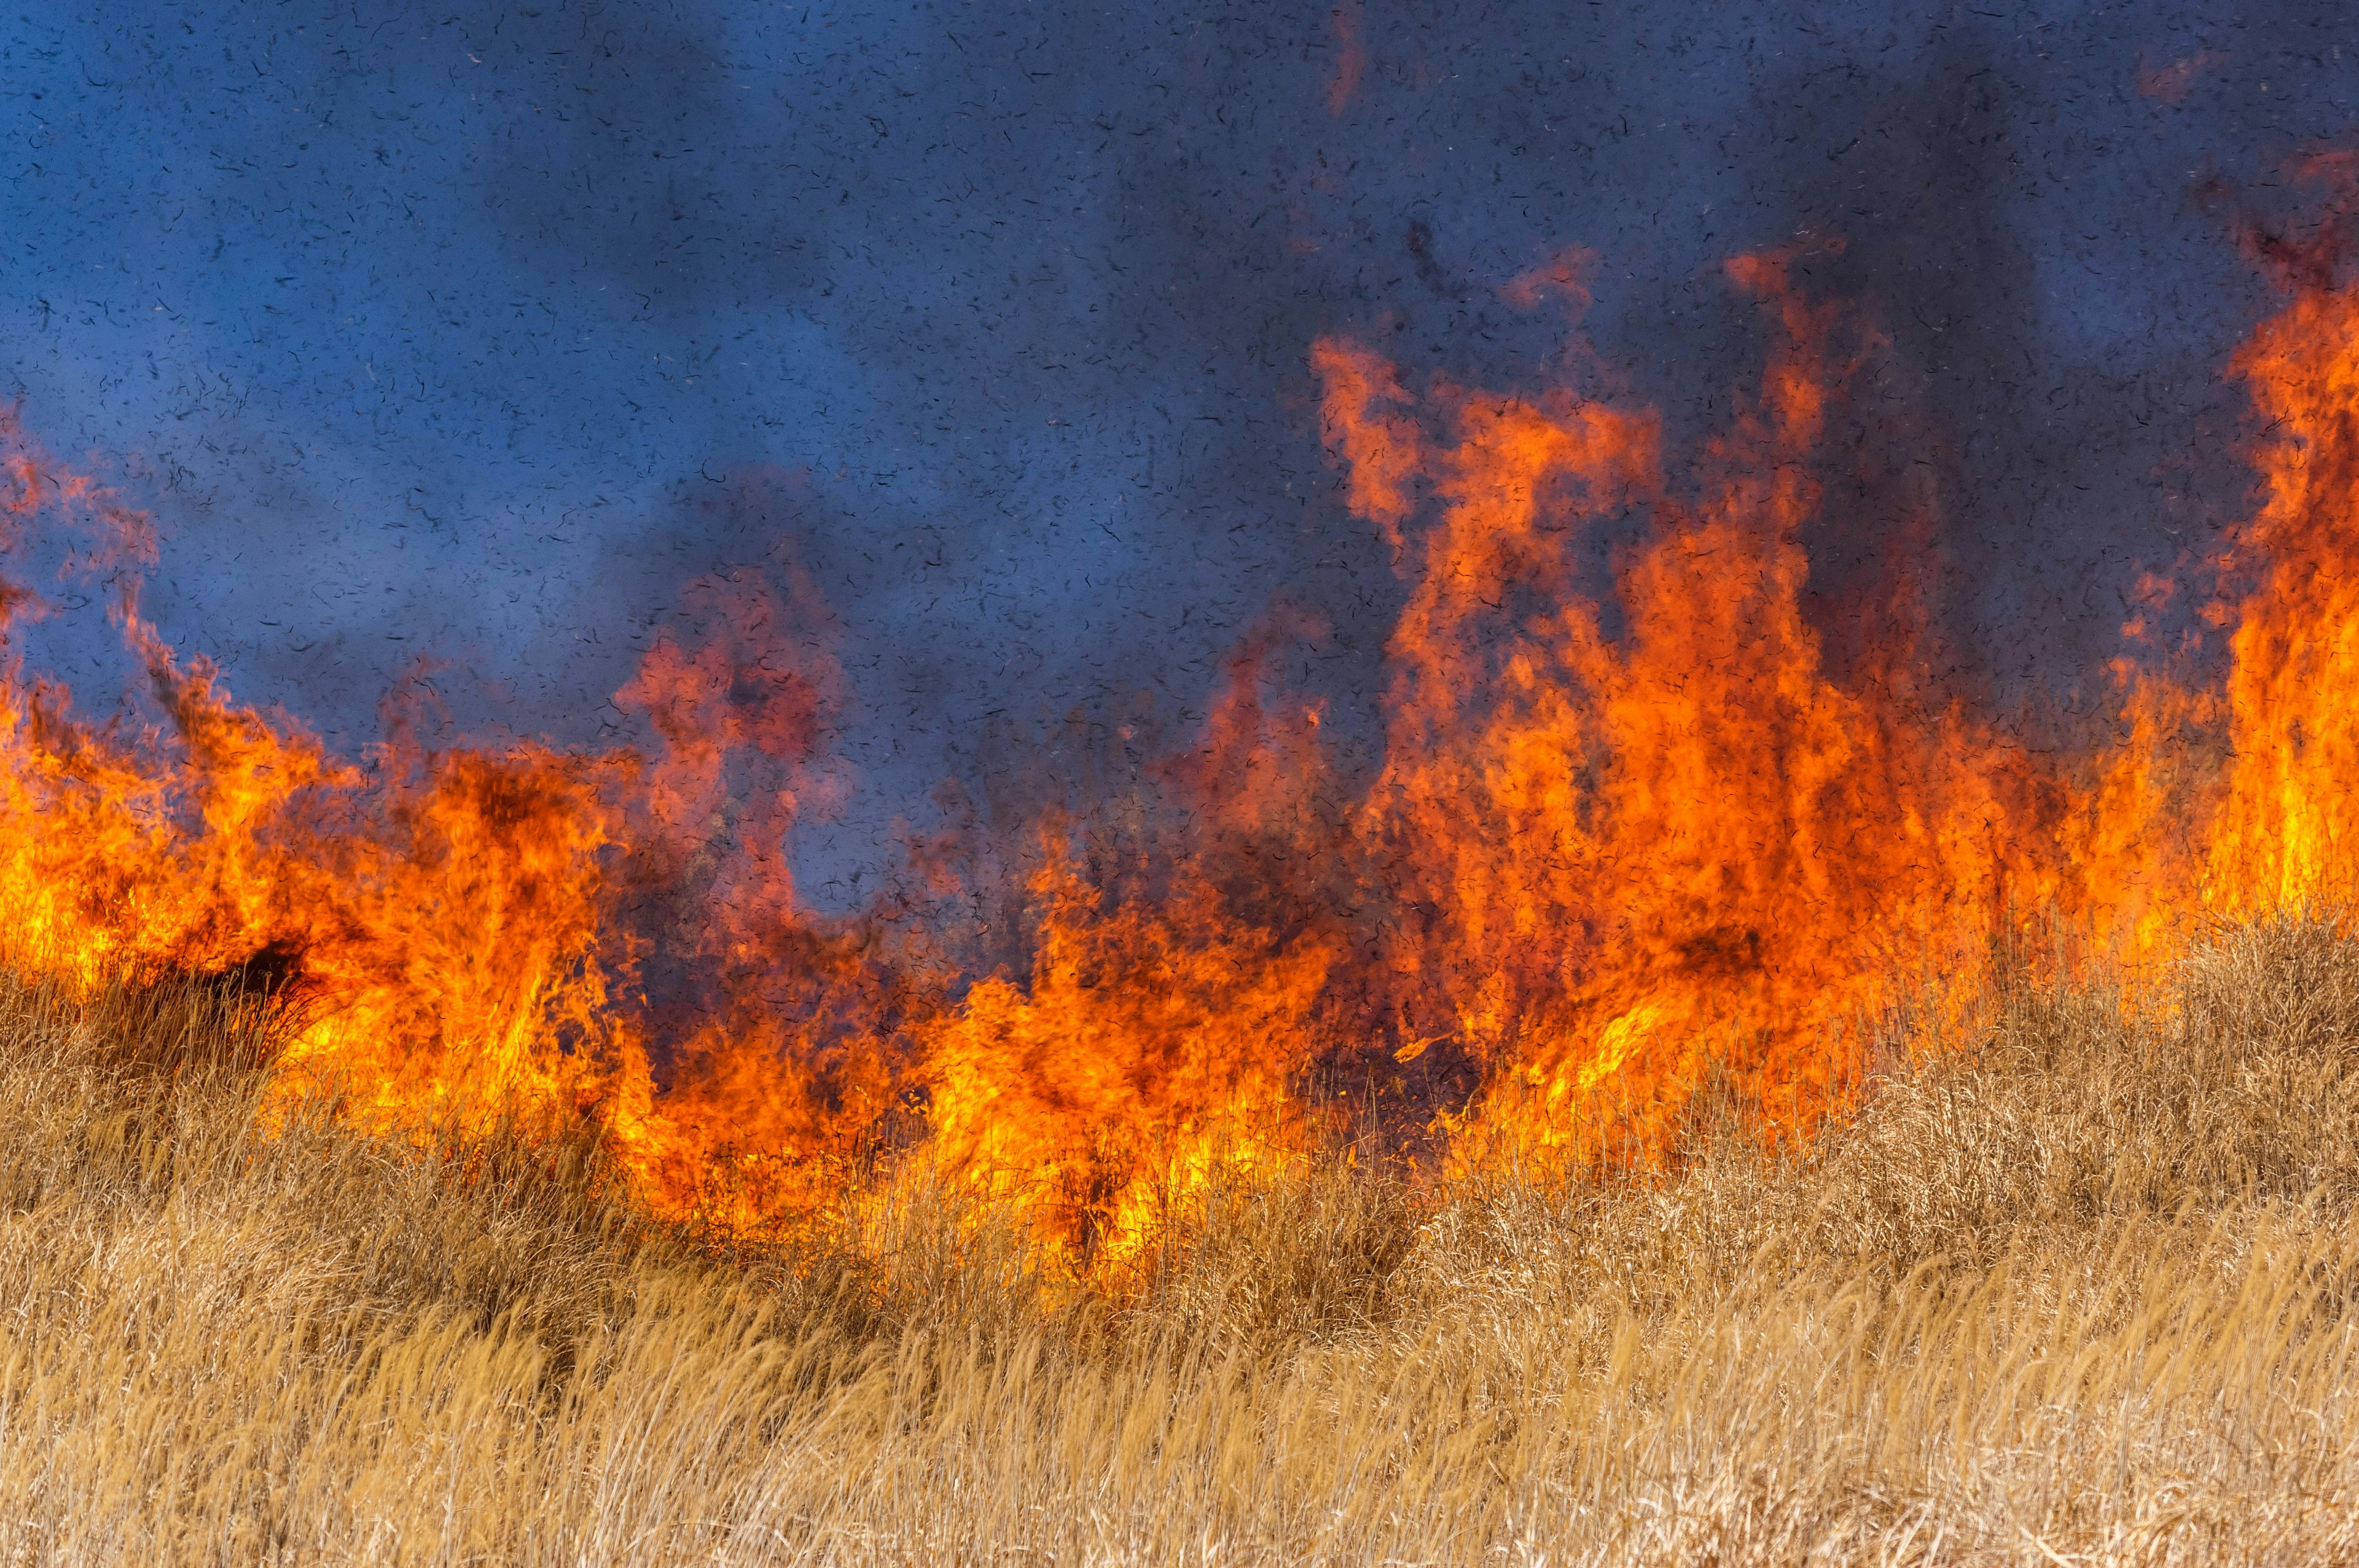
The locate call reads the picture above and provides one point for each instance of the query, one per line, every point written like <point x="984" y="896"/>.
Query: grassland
<point x="2080" y="1284"/>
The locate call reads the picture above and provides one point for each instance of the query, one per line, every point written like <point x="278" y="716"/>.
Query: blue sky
<point x="474" y="331"/>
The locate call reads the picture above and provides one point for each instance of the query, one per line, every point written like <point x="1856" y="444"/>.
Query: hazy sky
<point x="476" y="330"/>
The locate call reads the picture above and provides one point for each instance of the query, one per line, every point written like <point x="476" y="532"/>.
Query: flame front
<point x="2291" y="815"/>
<point x="1685" y="844"/>
<point x="1627" y="832"/>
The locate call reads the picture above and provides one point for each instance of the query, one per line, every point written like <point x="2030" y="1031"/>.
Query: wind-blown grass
<point x="2079" y="1285"/>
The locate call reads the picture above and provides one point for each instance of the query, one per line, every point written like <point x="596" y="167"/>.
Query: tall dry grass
<point x="2075" y="1287"/>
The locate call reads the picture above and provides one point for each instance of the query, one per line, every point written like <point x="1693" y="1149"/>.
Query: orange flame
<point x="2290" y="818"/>
<point x="1625" y="834"/>
<point x="1684" y="842"/>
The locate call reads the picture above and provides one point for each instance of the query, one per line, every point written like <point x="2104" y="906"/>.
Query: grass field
<point x="2074" y="1287"/>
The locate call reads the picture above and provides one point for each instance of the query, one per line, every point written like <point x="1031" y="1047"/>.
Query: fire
<point x="1152" y="1042"/>
<point x="1625" y="834"/>
<point x="1686" y="843"/>
<point x="2290" y="818"/>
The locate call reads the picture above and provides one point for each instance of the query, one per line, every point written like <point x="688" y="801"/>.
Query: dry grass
<point x="2079" y="1290"/>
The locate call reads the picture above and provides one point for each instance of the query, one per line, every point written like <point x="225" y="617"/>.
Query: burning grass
<point x="1481" y="1149"/>
<point x="1633" y="821"/>
<point x="2079" y="1282"/>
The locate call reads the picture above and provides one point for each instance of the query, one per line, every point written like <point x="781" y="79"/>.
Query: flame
<point x="1152" y="1042"/>
<point x="1684" y="842"/>
<point x="2285" y="831"/>
<point x="1630" y="829"/>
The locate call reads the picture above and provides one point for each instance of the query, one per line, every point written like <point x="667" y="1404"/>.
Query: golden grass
<point x="2074" y="1288"/>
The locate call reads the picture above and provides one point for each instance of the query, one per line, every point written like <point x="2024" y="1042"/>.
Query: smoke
<point x="480" y="333"/>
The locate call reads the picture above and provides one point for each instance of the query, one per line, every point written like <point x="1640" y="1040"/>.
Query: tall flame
<point x="1684" y="843"/>
<point x="2290" y="820"/>
<point x="1624" y="835"/>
